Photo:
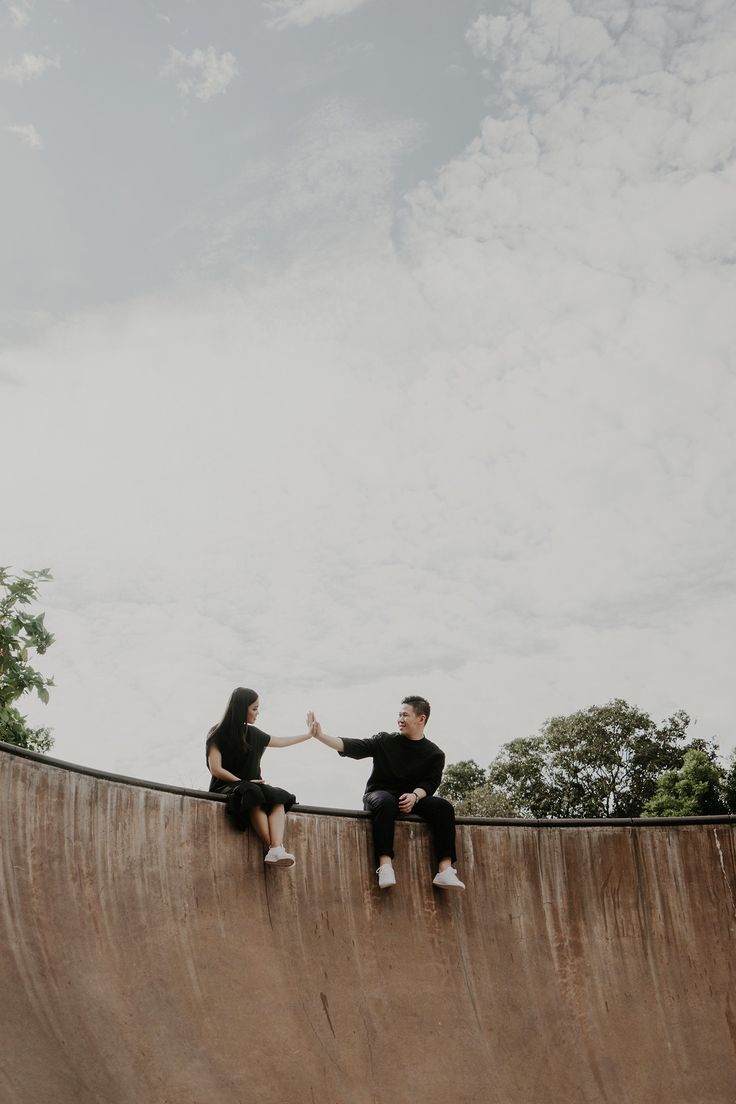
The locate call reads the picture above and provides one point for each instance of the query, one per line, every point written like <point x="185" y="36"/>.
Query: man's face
<point x="409" y="723"/>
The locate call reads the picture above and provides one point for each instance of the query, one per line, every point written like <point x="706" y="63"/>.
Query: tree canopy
<point x="728" y="785"/>
<point x="22" y="632"/>
<point x="696" y="789"/>
<point x="603" y="761"/>
<point x="466" y="785"/>
<point x="608" y="760"/>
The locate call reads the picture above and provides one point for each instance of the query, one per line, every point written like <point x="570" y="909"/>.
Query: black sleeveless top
<point x="242" y="757"/>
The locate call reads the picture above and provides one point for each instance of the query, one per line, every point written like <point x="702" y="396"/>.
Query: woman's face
<point x="253" y="711"/>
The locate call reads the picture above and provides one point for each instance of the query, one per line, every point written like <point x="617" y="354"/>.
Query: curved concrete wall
<point x="146" y="956"/>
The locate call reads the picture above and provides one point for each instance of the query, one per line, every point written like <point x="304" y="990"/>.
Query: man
<point x="407" y="769"/>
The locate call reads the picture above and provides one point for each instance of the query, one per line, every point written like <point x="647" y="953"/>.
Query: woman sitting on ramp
<point x="234" y="750"/>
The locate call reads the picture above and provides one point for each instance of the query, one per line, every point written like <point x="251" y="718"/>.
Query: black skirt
<point x="244" y="796"/>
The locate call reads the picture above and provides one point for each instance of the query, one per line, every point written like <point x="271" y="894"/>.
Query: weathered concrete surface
<point x="146" y="957"/>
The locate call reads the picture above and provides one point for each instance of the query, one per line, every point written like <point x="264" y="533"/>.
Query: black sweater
<point x="399" y="764"/>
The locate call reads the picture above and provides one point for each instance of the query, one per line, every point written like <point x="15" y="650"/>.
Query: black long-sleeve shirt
<point x="399" y="764"/>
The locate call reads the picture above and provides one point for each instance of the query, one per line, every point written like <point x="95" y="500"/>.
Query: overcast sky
<point x="356" y="348"/>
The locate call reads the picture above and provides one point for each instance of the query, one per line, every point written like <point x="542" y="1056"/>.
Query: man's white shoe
<point x="386" y="876"/>
<point x="448" y="879"/>
<point x="279" y="856"/>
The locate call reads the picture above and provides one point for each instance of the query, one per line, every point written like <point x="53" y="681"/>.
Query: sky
<point x="352" y="349"/>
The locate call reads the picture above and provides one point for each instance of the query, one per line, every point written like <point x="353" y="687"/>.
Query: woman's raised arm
<point x="287" y="741"/>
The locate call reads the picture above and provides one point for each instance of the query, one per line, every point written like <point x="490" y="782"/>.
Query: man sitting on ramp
<point x="407" y="769"/>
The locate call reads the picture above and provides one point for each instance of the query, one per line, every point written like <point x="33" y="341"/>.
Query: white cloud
<point x="335" y="182"/>
<point x="20" y="11"/>
<point x="340" y="172"/>
<point x="211" y="73"/>
<point x="28" y="67"/>
<point x="299" y="13"/>
<point x="606" y="177"/>
<point x="492" y="462"/>
<point x="27" y="134"/>
<point x="583" y="246"/>
<point x="321" y="485"/>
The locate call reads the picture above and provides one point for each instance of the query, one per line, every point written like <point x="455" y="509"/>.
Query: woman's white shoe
<point x="279" y="856"/>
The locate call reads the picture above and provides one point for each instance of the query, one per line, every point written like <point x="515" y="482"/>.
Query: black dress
<point x="242" y="757"/>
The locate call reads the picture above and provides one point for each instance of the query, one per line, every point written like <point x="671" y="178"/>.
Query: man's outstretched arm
<point x="335" y="742"/>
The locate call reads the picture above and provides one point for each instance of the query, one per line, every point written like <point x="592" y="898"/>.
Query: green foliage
<point x="14" y="729"/>
<point x="21" y="633"/>
<point x="485" y="801"/>
<point x="693" y="790"/>
<point x="728" y="785"/>
<point x="466" y="785"/>
<point x="599" y="762"/>
<point x="460" y="778"/>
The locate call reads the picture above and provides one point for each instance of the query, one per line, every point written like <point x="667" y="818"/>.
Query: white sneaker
<point x="448" y="879"/>
<point x="386" y="876"/>
<point x="279" y="856"/>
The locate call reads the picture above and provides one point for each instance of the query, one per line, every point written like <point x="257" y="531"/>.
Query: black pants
<point x="439" y="814"/>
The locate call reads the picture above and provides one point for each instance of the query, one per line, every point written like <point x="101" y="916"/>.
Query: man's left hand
<point x="407" y="802"/>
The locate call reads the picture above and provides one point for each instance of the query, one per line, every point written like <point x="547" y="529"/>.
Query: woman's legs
<point x="260" y="822"/>
<point x="269" y="828"/>
<point x="276" y="824"/>
<point x="277" y="855"/>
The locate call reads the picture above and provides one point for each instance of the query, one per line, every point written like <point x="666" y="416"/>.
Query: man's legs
<point x="383" y="807"/>
<point x="440" y="815"/>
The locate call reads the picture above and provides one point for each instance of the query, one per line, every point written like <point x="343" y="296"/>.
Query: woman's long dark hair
<point x="230" y="732"/>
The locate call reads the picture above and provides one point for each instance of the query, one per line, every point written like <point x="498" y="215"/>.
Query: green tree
<point x="693" y="790"/>
<point x="728" y="785"/>
<point x="460" y="778"/>
<point x="485" y="801"/>
<point x="466" y="785"/>
<point x="599" y="762"/>
<point x="21" y="633"/>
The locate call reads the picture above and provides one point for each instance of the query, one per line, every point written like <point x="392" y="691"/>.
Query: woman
<point x="234" y="750"/>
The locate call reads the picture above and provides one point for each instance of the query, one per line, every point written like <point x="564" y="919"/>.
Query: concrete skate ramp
<point x="146" y="957"/>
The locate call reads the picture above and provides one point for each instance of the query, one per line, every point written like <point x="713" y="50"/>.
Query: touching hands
<point x="315" y="729"/>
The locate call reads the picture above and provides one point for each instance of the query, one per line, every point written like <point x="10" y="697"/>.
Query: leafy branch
<point x="22" y="632"/>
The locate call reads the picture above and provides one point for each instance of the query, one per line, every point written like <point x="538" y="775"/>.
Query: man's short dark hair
<point x="419" y="705"/>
